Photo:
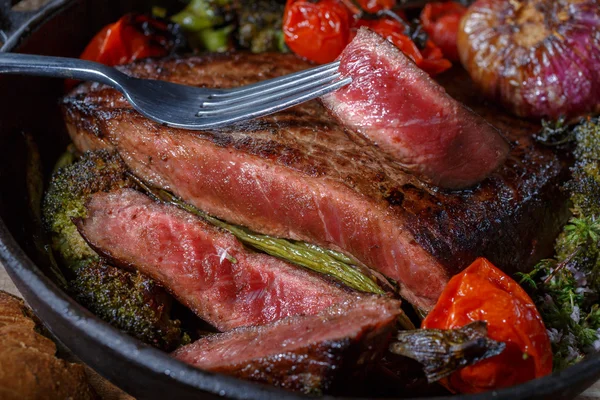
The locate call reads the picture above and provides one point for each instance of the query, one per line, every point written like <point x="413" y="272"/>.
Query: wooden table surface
<point x="6" y="284"/>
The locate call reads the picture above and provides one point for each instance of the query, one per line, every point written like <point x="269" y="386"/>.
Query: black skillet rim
<point x="46" y="298"/>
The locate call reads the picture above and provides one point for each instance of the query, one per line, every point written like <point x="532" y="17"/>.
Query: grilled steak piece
<point x="205" y="268"/>
<point x="301" y="175"/>
<point x="302" y="353"/>
<point x="407" y="114"/>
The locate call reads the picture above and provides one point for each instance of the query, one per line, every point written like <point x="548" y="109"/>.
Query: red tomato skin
<point x="484" y="293"/>
<point x="434" y="62"/>
<point x="393" y="30"/>
<point x="121" y="43"/>
<point x="430" y="59"/>
<point x="318" y="31"/>
<point x="373" y="6"/>
<point x="441" y="21"/>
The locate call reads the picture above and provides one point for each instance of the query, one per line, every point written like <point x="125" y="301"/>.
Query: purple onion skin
<point x="539" y="58"/>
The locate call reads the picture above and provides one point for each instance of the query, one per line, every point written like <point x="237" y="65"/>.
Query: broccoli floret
<point x="65" y="199"/>
<point x="587" y="135"/>
<point x="582" y="235"/>
<point x="585" y="190"/>
<point x="585" y="185"/>
<point x="568" y="285"/>
<point x="260" y="25"/>
<point x="130" y="301"/>
<point x="127" y="300"/>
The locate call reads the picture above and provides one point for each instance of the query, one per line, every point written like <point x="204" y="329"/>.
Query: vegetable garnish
<point x="320" y="30"/>
<point x="566" y="287"/>
<point x="208" y="23"/>
<point x="484" y="293"/>
<point x="392" y="29"/>
<point x="373" y="6"/>
<point x="328" y="262"/>
<point x="441" y="21"/>
<point x="260" y="25"/>
<point x="444" y="351"/>
<point x="132" y="37"/>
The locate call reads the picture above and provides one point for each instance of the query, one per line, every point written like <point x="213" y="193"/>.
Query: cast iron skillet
<point x="29" y="105"/>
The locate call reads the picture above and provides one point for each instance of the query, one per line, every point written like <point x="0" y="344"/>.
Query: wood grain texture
<point x="105" y="389"/>
<point x="29" y="368"/>
<point x="592" y="393"/>
<point x="109" y="392"/>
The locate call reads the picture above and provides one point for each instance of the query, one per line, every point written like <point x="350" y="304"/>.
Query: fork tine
<point x="259" y="99"/>
<point x="263" y="90"/>
<point x="271" y="107"/>
<point x="276" y="81"/>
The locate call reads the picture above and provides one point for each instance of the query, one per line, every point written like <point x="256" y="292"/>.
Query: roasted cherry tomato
<point x="430" y="59"/>
<point x="441" y="21"/>
<point x="393" y="30"/>
<point x="317" y="31"/>
<point x="433" y="59"/>
<point x="373" y="6"/>
<point x="483" y="292"/>
<point x="320" y="30"/>
<point x="132" y="37"/>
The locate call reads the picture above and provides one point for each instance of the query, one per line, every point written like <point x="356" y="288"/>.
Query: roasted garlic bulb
<point x="539" y="58"/>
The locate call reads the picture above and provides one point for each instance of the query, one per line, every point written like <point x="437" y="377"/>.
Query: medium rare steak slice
<point x="407" y="114"/>
<point x="299" y="174"/>
<point x="303" y="353"/>
<point x="205" y="268"/>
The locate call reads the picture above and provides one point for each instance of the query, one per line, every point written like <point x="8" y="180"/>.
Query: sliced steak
<point x="304" y="353"/>
<point x="299" y="174"/>
<point x="407" y="114"/>
<point x="205" y="268"/>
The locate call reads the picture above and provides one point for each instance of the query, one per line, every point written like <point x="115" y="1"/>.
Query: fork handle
<point x="60" y="67"/>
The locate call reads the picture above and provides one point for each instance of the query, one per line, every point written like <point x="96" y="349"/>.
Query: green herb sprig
<point x="566" y="288"/>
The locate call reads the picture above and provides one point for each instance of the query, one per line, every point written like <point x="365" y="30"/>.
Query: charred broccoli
<point x="567" y="287"/>
<point x="65" y="199"/>
<point x="129" y="301"/>
<point x="585" y="186"/>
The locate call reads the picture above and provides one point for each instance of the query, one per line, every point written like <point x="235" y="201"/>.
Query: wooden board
<point x="110" y="393"/>
<point x="6" y="284"/>
<point x="105" y="389"/>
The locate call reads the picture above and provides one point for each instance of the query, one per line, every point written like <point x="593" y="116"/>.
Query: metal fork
<point x="186" y="106"/>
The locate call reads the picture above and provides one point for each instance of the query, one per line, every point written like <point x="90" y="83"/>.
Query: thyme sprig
<point x="555" y="133"/>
